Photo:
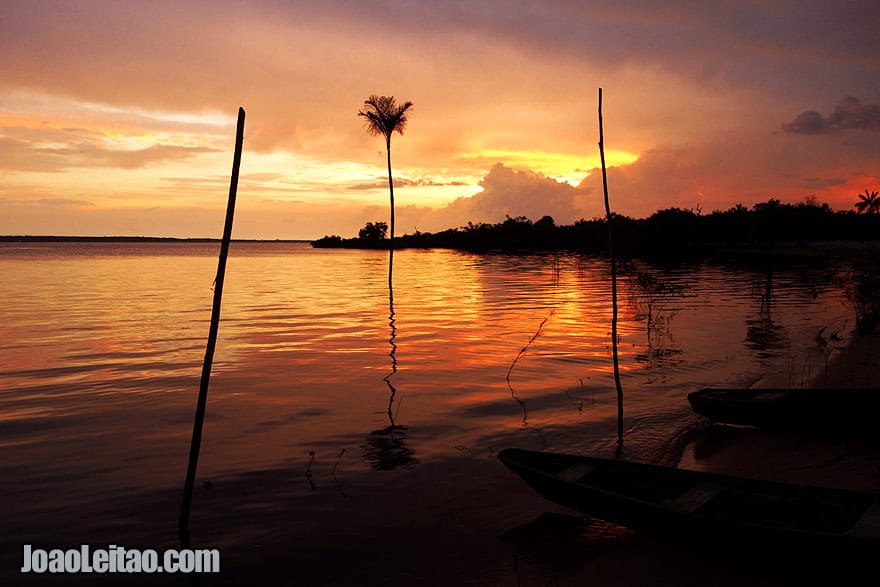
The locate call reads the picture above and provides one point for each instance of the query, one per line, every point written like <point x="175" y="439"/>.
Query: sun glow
<point x="563" y="167"/>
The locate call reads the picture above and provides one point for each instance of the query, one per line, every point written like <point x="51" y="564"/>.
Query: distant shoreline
<point x="668" y="233"/>
<point x="134" y="239"/>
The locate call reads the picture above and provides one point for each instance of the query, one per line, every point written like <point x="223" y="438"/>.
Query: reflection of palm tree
<point x="386" y="450"/>
<point x="385" y="117"/>
<point x="869" y="203"/>
<point x="393" y="354"/>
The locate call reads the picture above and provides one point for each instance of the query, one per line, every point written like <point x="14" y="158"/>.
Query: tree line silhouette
<point x="668" y="231"/>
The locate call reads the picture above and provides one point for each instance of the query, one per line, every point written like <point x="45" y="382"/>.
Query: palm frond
<point x="384" y="116"/>
<point x="868" y="202"/>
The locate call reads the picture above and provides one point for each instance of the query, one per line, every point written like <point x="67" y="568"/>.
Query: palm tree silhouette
<point x="385" y="117"/>
<point x="868" y="203"/>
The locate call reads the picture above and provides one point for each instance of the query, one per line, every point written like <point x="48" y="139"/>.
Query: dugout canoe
<point x="807" y="409"/>
<point x="697" y="505"/>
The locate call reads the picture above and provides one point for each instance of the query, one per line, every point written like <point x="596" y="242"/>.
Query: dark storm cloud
<point x="850" y="113"/>
<point x="186" y="48"/>
<point x="786" y="45"/>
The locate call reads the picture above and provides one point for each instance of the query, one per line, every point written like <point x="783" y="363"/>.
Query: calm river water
<point x="320" y="375"/>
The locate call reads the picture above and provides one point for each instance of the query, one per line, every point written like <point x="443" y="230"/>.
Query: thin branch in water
<point x="579" y="404"/>
<point x="309" y="470"/>
<point x="522" y="352"/>
<point x="333" y="472"/>
<point x="338" y="460"/>
<point x="520" y="355"/>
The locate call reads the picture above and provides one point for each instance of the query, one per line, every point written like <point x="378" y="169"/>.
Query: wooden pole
<point x="609" y="222"/>
<point x="186" y="504"/>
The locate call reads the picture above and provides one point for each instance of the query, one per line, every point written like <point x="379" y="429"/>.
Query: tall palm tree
<point x="868" y="203"/>
<point x="385" y="117"/>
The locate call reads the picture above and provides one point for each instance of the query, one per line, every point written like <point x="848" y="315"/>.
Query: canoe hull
<point x="694" y="505"/>
<point x="803" y="409"/>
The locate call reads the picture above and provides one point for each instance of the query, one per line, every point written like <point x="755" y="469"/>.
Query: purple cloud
<point x="850" y="113"/>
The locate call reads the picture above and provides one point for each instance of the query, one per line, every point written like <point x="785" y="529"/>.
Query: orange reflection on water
<point x="107" y="345"/>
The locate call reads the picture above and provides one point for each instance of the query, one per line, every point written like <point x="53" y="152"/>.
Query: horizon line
<point x="132" y="238"/>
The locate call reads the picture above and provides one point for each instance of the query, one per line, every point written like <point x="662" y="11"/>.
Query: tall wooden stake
<point x="186" y="504"/>
<point x="609" y="221"/>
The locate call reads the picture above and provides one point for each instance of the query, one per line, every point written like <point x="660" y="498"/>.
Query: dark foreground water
<point x="351" y="436"/>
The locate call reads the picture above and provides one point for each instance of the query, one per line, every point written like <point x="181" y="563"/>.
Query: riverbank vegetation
<point x="666" y="232"/>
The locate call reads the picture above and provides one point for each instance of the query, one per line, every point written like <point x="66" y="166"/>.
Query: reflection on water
<point x="102" y="345"/>
<point x="655" y="298"/>
<point x="764" y="335"/>
<point x="309" y="470"/>
<point x="386" y="449"/>
<point x="393" y="354"/>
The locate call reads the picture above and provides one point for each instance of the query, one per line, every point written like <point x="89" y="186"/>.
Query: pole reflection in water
<point x="763" y="334"/>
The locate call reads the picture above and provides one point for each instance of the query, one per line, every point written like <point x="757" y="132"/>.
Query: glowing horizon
<point x="105" y="133"/>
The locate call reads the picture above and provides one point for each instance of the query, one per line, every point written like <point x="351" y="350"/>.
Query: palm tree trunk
<point x="391" y="191"/>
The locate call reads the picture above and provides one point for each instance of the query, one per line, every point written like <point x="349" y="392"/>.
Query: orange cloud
<point x="131" y="105"/>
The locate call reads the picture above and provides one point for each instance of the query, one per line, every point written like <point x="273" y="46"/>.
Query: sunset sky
<point x="118" y="117"/>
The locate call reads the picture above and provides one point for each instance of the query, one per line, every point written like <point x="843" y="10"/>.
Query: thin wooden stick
<point x="186" y="504"/>
<point x="609" y="221"/>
